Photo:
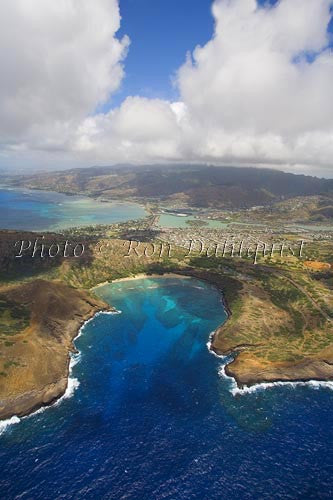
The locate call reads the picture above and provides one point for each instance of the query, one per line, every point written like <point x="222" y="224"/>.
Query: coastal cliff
<point x="279" y="325"/>
<point x="34" y="362"/>
<point x="274" y="332"/>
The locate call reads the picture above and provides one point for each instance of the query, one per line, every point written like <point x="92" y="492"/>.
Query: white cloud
<point x="245" y="78"/>
<point x="249" y="96"/>
<point x="140" y="130"/>
<point x="59" y="60"/>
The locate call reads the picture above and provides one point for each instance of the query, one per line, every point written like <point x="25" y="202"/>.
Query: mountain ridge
<point x="198" y="186"/>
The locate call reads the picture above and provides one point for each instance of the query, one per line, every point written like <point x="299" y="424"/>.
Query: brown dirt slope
<point x="34" y="361"/>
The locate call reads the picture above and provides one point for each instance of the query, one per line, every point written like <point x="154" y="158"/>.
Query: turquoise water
<point x="152" y="418"/>
<point x="167" y="220"/>
<point x="42" y="210"/>
<point x="174" y="221"/>
<point x="312" y="227"/>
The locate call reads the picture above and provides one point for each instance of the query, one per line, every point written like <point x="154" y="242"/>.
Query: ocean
<point x="150" y="415"/>
<point x="34" y="210"/>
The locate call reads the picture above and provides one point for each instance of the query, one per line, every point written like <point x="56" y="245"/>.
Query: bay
<point x="152" y="418"/>
<point x="35" y="210"/>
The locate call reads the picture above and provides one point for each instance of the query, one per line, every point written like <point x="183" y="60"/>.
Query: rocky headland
<point x="34" y="362"/>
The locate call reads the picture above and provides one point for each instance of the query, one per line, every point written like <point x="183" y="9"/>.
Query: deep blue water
<point x="152" y="419"/>
<point x="43" y="210"/>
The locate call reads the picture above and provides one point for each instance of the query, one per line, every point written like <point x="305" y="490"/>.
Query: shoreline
<point x="253" y="384"/>
<point x="237" y="389"/>
<point x="71" y="385"/>
<point x="33" y="401"/>
<point x="293" y="374"/>
<point x="139" y="277"/>
<point x="49" y="352"/>
<point x="52" y="394"/>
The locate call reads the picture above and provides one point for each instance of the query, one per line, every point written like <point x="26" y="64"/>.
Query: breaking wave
<point x="234" y="389"/>
<point x="72" y="384"/>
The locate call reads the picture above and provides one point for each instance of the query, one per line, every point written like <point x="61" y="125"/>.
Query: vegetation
<point x="281" y="309"/>
<point x="14" y="317"/>
<point x="201" y="186"/>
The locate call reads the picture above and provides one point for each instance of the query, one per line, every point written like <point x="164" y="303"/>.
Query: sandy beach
<point x="141" y="276"/>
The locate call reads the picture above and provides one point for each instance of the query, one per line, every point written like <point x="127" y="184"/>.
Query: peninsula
<point x="39" y="321"/>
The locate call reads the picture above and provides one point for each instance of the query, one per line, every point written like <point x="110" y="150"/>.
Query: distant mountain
<point x="198" y="186"/>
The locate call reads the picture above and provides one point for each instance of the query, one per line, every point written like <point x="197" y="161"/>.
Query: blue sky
<point x="161" y="32"/>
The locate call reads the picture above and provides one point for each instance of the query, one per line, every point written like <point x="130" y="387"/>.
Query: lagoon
<point x="176" y="221"/>
<point x="35" y="210"/>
